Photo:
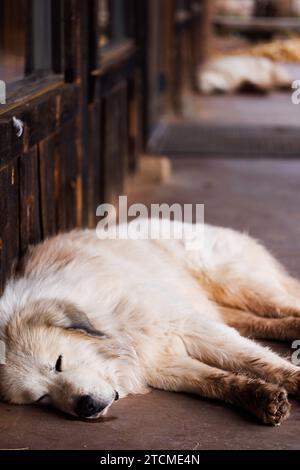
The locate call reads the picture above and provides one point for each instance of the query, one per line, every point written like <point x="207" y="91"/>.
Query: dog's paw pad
<point x="276" y="408"/>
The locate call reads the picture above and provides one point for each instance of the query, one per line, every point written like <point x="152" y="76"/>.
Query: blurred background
<point x="248" y="57"/>
<point x="186" y="101"/>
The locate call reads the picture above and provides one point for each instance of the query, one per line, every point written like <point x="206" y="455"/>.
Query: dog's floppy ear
<point x="75" y="319"/>
<point x="62" y="314"/>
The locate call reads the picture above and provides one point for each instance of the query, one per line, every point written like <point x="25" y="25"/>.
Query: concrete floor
<point x="248" y="125"/>
<point x="259" y="196"/>
<point x="274" y="109"/>
<point x="248" y="109"/>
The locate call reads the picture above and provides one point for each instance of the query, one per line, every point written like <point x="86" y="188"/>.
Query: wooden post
<point x="206" y="30"/>
<point x="274" y="8"/>
<point x="169" y="51"/>
<point x="284" y="7"/>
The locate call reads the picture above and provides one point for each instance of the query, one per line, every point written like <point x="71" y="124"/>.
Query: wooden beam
<point x="206" y="30"/>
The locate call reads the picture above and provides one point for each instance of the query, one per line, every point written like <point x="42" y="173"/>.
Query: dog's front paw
<point x="276" y="408"/>
<point x="272" y="404"/>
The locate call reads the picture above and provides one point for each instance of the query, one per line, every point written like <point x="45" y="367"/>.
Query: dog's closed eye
<point x="58" y="365"/>
<point x="42" y="398"/>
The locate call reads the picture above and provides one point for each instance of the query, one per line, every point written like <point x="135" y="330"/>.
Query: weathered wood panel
<point x="9" y="220"/>
<point x="65" y="177"/>
<point x="135" y="123"/>
<point x="114" y="142"/>
<point x="30" y="227"/>
<point x="47" y="187"/>
<point x="42" y="116"/>
<point x="95" y="186"/>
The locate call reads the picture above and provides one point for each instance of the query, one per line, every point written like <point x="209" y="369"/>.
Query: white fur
<point x="228" y="74"/>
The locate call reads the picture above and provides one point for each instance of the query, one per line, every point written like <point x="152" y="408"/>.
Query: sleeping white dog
<point x="229" y="74"/>
<point x="86" y="321"/>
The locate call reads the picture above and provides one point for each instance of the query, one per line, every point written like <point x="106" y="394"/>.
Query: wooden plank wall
<point x="81" y="138"/>
<point x="38" y="175"/>
<point x="85" y="128"/>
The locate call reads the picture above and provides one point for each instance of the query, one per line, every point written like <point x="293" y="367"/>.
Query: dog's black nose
<point x="87" y="406"/>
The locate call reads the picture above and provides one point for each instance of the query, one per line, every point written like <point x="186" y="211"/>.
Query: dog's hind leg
<point x="236" y="271"/>
<point x="253" y="326"/>
<point x="257" y="292"/>
<point x="221" y="346"/>
<point x="267" y="402"/>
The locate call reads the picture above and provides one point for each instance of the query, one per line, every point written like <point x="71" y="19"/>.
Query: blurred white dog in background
<point x="230" y="74"/>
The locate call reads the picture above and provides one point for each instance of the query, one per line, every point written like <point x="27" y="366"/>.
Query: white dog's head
<point x="55" y="356"/>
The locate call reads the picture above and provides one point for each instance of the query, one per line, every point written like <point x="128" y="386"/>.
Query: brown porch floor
<point x="259" y="196"/>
